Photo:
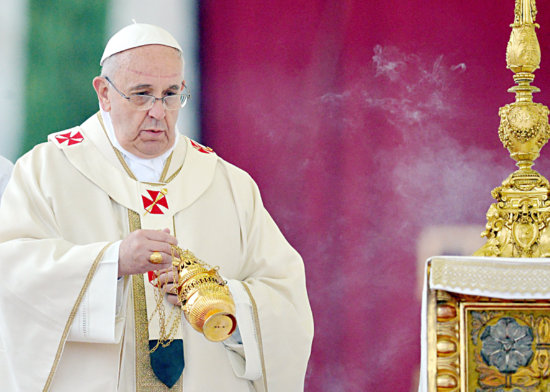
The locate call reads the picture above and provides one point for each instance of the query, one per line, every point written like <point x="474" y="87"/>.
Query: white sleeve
<point x="242" y="347"/>
<point x="102" y="302"/>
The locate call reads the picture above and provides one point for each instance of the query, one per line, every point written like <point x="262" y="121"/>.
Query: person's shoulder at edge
<point x="5" y="164"/>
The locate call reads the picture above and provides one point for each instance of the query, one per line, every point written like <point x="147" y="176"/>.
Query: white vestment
<point x="70" y="199"/>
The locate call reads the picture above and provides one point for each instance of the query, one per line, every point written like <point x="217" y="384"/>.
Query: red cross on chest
<point x="155" y="200"/>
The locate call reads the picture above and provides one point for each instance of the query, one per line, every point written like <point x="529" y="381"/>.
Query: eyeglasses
<point x="143" y="101"/>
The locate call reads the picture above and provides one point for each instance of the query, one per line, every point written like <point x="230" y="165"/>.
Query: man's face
<point x="155" y="70"/>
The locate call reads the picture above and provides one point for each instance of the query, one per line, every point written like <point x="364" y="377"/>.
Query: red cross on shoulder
<point x="201" y="148"/>
<point x="70" y="139"/>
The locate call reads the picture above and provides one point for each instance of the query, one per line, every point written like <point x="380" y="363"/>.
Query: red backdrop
<point x="363" y="122"/>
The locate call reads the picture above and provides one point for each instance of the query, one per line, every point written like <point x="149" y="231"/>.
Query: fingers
<point x="158" y="235"/>
<point x="136" y="249"/>
<point x="171" y="291"/>
<point x="160" y="241"/>
<point x="166" y="281"/>
<point x="166" y="276"/>
<point x="170" y="288"/>
<point x="173" y="299"/>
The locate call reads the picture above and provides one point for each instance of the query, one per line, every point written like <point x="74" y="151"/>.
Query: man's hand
<point x="135" y="250"/>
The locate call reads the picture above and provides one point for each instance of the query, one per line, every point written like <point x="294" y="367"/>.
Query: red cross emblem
<point x="71" y="139"/>
<point x="157" y="198"/>
<point x="201" y="148"/>
<point x="153" y="278"/>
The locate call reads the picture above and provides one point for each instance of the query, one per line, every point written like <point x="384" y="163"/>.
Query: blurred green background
<point x="59" y="73"/>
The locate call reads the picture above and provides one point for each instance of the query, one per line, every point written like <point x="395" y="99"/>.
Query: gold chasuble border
<point x="259" y="333"/>
<point x="146" y="380"/>
<point x="175" y="173"/>
<point x="72" y="315"/>
<point x="165" y="169"/>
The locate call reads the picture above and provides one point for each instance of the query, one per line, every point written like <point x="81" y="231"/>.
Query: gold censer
<point x="205" y="299"/>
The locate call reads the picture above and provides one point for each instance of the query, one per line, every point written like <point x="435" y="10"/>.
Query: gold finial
<point x="525" y="12"/>
<point x="523" y="51"/>
<point x="517" y="223"/>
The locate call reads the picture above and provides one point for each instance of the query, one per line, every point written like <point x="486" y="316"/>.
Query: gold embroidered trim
<point x="118" y="154"/>
<point x="166" y="166"/>
<point x="134" y="220"/>
<point x="72" y="315"/>
<point x="146" y="380"/>
<point x="259" y="333"/>
<point x="124" y="164"/>
<point x="174" y="175"/>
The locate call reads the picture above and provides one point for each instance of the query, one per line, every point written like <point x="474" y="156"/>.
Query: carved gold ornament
<point x="517" y="223"/>
<point x="486" y="344"/>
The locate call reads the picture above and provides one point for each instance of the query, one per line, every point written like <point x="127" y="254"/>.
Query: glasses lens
<point x="172" y="102"/>
<point x="142" y="101"/>
<point x="146" y="102"/>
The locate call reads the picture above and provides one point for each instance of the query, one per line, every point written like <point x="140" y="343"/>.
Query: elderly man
<point x="90" y="214"/>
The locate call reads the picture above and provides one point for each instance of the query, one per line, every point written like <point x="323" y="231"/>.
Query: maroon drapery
<point x="363" y="123"/>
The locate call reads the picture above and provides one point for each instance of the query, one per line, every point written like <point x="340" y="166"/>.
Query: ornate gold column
<point x="517" y="223"/>
<point x="500" y="342"/>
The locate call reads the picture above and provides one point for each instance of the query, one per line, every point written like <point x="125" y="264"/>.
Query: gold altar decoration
<point x="517" y="223"/>
<point x="205" y="299"/>
<point x="482" y="344"/>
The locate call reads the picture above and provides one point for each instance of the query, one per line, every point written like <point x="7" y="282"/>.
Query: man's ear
<point x="101" y="88"/>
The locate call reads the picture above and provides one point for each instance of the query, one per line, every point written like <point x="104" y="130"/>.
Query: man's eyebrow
<point x="140" y="87"/>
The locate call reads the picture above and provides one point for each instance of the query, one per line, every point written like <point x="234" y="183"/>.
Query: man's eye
<point x="140" y="98"/>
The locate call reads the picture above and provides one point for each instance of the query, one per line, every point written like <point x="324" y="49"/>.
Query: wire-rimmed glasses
<point x="143" y="101"/>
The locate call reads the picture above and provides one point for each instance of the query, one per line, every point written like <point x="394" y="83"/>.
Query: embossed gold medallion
<point x="505" y="346"/>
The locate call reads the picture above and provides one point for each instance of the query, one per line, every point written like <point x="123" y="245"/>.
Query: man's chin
<point x="151" y="149"/>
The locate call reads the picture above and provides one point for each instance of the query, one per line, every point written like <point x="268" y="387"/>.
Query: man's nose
<point x="158" y="111"/>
